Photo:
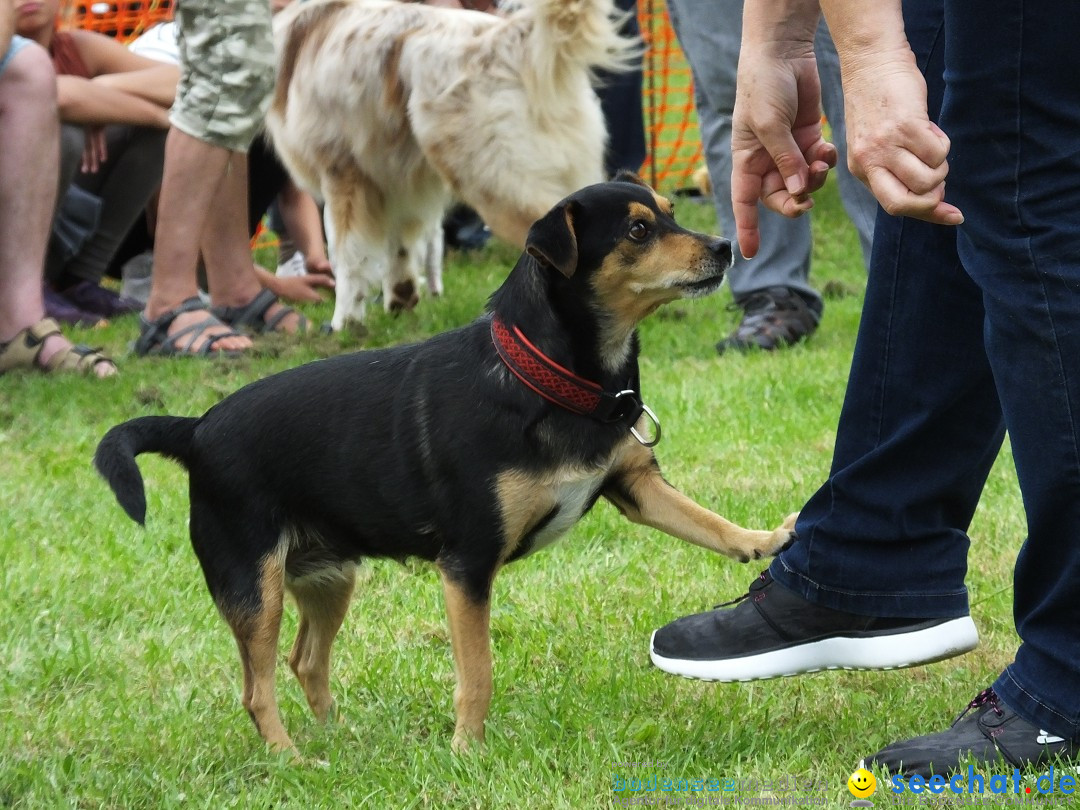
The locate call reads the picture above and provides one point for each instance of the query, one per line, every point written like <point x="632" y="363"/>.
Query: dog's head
<point x="619" y="246"/>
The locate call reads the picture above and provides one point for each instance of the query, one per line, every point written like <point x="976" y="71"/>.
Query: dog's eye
<point x="638" y="230"/>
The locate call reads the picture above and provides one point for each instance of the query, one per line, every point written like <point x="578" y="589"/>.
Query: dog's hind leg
<point x="470" y="633"/>
<point x="323" y="599"/>
<point x="242" y="557"/>
<point x="256" y="625"/>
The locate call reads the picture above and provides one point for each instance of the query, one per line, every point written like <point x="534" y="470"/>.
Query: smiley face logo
<point x="862" y="783"/>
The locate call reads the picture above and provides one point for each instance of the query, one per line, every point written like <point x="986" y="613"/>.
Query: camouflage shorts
<point x="227" y="70"/>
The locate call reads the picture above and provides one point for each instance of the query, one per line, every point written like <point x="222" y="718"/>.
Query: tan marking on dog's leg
<point x="643" y="496"/>
<point x="523" y="501"/>
<point x="323" y="604"/>
<point x="257" y="638"/>
<point x="470" y="635"/>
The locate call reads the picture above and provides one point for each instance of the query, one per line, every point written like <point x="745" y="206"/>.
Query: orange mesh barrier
<point x="671" y="131"/>
<point x="124" y="20"/>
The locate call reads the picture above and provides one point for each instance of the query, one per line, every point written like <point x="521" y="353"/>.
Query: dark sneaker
<point x="987" y="731"/>
<point x="776" y="316"/>
<point x="92" y="297"/>
<point x="772" y="631"/>
<point x="464" y="229"/>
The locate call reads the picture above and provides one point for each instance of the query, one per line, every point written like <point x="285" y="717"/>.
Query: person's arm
<point x="124" y="88"/>
<point x="893" y="146"/>
<point x="7" y="25"/>
<point x="103" y="54"/>
<point x="778" y="151"/>
<point x="156" y="84"/>
<point x="81" y="101"/>
<point x="303" y="223"/>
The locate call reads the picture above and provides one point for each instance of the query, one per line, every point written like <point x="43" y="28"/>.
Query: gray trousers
<point x="710" y="32"/>
<point x="125" y="183"/>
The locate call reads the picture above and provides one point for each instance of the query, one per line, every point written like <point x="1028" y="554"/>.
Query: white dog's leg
<point x="360" y="262"/>
<point x="433" y="250"/>
<point x="401" y="285"/>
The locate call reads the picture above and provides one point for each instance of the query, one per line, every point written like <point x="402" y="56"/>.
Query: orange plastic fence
<point x="671" y="131"/>
<point x="668" y="100"/>
<point x="123" y="20"/>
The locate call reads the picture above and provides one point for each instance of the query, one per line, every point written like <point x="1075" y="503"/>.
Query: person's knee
<point x="31" y="73"/>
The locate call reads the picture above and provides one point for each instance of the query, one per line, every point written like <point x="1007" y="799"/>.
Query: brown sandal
<point x="22" y="352"/>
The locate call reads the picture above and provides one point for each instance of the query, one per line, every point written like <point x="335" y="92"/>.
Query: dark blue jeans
<point x="967" y="332"/>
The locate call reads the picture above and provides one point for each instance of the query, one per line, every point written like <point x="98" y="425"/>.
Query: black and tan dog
<point x="471" y="449"/>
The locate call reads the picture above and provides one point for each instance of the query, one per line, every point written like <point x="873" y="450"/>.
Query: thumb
<point x="788" y="158"/>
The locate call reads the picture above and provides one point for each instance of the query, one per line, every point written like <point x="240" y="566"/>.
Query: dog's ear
<point x="627" y="176"/>
<point x="552" y="240"/>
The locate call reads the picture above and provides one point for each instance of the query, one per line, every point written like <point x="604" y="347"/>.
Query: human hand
<point x="95" y="151"/>
<point x="893" y="145"/>
<point x="303" y="288"/>
<point x="779" y="154"/>
<point x="319" y="265"/>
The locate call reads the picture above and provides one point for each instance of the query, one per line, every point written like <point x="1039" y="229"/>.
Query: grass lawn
<point x="120" y="684"/>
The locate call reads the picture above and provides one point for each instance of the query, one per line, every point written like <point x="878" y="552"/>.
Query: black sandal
<point x="154" y="337"/>
<point x="253" y="315"/>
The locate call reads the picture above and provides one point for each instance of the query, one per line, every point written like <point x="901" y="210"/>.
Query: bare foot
<point x="57" y="343"/>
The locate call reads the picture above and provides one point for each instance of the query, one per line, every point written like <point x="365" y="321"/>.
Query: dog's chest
<point x="570" y="497"/>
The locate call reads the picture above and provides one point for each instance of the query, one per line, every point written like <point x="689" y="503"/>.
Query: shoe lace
<point x="986" y="697"/>
<point x="763" y="579"/>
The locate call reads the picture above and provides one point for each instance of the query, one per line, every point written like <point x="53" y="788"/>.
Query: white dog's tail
<point x="569" y="35"/>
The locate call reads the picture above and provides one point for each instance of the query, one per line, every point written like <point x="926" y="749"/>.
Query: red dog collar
<point x="564" y="388"/>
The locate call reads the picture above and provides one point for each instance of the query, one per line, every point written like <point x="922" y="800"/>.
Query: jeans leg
<point x="1013" y="112"/>
<point x="920" y="428"/>
<point x="710" y="33"/>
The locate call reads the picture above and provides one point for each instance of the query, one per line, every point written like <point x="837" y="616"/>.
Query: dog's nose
<point x="722" y="248"/>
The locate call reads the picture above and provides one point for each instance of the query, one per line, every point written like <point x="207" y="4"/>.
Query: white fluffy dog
<point x="387" y="110"/>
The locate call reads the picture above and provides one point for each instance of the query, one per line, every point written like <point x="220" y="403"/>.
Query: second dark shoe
<point x="773" y="631"/>
<point x="988" y="732"/>
<point x="93" y="298"/>
<point x="773" y="317"/>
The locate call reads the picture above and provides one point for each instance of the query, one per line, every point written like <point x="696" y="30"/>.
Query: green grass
<point x="120" y="684"/>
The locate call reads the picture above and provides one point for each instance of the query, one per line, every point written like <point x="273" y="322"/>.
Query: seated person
<point x="114" y="114"/>
<point x="28" y="127"/>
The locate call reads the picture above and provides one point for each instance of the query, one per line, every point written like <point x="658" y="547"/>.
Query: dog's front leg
<point x="470" y="634"/>
<point x="643" y="496"/>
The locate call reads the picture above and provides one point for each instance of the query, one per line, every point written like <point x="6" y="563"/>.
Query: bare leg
<point x="29" y="155"/>
<point x="194" y="171"/>
<point x="226" y="249"/>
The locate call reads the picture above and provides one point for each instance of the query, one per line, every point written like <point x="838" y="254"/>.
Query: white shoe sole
<point x="887" y="651"/>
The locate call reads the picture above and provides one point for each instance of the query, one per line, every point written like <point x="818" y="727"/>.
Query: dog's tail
<point x="115" y="456"/>
<point x="571" y="34"/>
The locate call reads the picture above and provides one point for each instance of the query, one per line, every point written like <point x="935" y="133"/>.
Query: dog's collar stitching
<point x="564" y="388"/>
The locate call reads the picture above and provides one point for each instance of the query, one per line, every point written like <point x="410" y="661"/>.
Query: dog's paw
<point x="780" y="539"/>
<point x="403" y="297"/>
